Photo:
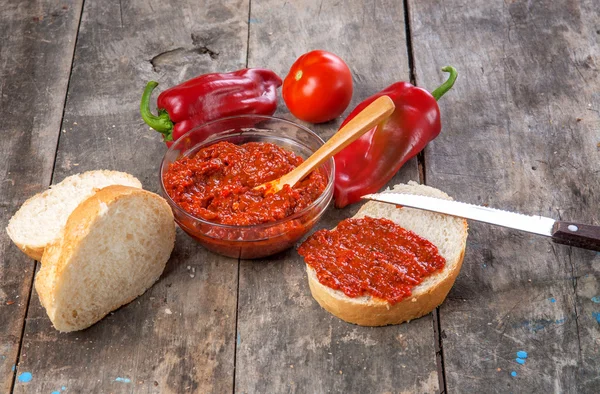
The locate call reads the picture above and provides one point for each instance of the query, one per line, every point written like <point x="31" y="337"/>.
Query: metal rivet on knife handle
<point x="576" y="234"/>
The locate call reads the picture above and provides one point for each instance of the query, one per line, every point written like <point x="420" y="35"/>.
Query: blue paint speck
<point x="553" y="300"/>
<point x="522" y="354"/>
<point x="13" y="368"/>
<point x="25" y="377"/>
<point x="254" y="20"/>
<point x="123" y="380"/>
<point x="63" y="388"/>
<point x="540" y="324"/>
<point x="596" y="299"/>
<point x="239" y="339"/>
<point x="513" y="374"/>
<point x="55" y="392"/>
<point x="596" y="315"/>
<point x="484" y="265"/>
<point x="520" y="360"/>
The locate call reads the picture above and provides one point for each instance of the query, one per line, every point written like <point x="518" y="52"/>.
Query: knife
<point x="568" y="233"/>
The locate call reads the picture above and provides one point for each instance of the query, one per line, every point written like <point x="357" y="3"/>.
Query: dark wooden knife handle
<point x="576" y="234"/>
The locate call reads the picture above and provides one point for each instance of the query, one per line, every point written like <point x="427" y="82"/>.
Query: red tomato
<point x="318" y="87"/>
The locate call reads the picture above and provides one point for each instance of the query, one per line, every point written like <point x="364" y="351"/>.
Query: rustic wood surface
<point x="38" y="38"/>
<point x="521" y="132"/>
<point x="179" y="336"/>
<point x="286" y="342"/>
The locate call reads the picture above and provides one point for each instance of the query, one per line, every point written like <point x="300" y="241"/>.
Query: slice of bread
<point x="448" y="233"/>
<point x="40" y="219"/>
<point x="113" y="247"/>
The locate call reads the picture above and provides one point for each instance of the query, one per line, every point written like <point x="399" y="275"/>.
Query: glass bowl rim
<point x="327" y="192"/>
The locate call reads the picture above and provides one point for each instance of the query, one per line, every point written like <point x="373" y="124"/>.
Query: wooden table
<point x="521" y="132"/>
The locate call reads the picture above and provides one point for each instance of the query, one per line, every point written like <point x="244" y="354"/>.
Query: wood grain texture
<point x="180" y="335"/>
<point x="521" y="132"/>
<point x="38" y="39"/>
<point x="286" y="342"/>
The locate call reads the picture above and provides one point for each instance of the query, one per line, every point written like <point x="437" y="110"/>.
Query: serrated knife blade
<point x="574" y="234"/>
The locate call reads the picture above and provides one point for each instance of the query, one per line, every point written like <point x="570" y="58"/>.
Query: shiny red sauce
<point x="216" y="184"/>
<point x="371" y="257"/>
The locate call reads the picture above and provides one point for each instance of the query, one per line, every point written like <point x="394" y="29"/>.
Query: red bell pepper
<point x="209" y="97"/>
<point x="368" y="163"/>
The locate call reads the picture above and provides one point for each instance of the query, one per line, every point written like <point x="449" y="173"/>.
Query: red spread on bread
<point x="370" y="256"/>
<point x="217" y="183"/>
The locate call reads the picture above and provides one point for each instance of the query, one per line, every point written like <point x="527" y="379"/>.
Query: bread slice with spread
<point x="448" y="234"/>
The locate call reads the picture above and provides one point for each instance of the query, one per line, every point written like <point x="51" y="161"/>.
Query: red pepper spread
<point x="371" y="257"/>
<point x="216" y="184"/>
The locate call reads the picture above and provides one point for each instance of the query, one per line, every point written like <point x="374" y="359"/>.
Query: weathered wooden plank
<point x="38" y="39"/>
<point x="180" y="335"/>
<point x="520" y="133"/>
<point x="286" y="342"/>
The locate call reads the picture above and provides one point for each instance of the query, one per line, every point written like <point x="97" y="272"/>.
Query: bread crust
<point x="59" y="255"/>
<point x="378" y="312"/>
<point x="32" y="251"/>
<point x="373" y="311"/>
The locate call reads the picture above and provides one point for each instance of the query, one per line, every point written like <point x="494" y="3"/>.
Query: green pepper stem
<point x="161" y="123"/>
<point x="440" y="91"/>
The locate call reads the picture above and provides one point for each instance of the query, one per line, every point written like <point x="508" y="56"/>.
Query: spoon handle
<point x="376" y="112"/>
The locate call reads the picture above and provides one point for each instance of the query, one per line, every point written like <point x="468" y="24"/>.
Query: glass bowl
<point x="260" y="240"/>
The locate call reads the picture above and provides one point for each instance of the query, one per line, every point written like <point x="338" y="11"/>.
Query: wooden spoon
<point x="376" y="112"/>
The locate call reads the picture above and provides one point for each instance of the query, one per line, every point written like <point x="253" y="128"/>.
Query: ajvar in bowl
<point x="211" y="221"/>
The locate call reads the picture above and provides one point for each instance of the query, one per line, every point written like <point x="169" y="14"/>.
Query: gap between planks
<point x="435" y="314"/>
<point x="35" y="263"/>
<point x="248" y="36"/>
<point x="16" y="369"/>
<point x="237" y="314"/>
<point x="237" y="299"/>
